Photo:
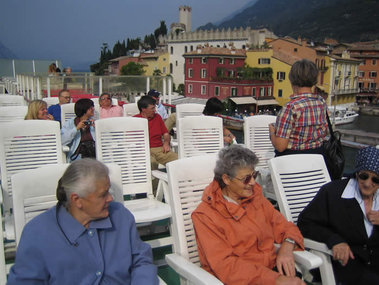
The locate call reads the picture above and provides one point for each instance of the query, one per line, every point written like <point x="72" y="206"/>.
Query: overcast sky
<point x="73" y="30"/>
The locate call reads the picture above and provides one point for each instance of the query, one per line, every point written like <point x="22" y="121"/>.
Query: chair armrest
<point x="315" y="245"/>
<point x="190" y="271"/>
<point x="161" y="175"/>
<point x="306" y="259"/>
<point x="65" y="148"/>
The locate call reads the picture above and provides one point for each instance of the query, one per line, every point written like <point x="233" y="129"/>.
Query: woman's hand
<point x="50" y="117"/>
<point x="373" y="217"/>
<point x="83" y="124"/>
<point x="285" y="280"/>
<point x="342" y="253"/>
<point x="285" y="262"/>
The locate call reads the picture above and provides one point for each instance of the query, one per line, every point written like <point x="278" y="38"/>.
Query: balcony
<point x="345" y="91"/>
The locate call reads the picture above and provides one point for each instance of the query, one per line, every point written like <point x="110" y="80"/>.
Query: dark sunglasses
<point x="365" y="176"/>
<point x="245" y="180"/>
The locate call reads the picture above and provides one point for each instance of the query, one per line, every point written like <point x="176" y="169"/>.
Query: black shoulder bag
<point x="333" y="154"/>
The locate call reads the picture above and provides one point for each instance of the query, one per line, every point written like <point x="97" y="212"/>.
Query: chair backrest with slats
<point x="29" y="202"/>
<point x="297" y="178"/>
<point x="257" y="138"/>
<point x="130" y="109"/>
<point x="189" y="109"/>
<point x="125" y="141"/>
<point x="67" y="112"/>
<point x="187" y="180"/>
<point x="199" y="135"/>
<point x="12" y="100"/>
<point x="12" y="113"/>
<point x="27" y="145"/>
<point x="51" y="101"/>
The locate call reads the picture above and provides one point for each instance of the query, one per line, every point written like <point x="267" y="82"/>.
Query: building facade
<point x="211" y="71"/>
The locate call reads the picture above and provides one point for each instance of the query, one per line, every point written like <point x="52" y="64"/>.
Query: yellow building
<point x="343" y="78"/>
<point x="154" y="62"/>
<point x="280" y="65"/>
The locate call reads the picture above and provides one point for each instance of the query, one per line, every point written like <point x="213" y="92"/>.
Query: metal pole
<point x="14" y="68"/>
<point x="48" y="86"/>
<point x="164" y="91"/>
<point x="169" y="89"/>
<point x="100" y="85"/>
<point x="147" y="84"/>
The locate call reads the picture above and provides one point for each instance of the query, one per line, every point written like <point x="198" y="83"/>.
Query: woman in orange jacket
<point x="236" y="227"/>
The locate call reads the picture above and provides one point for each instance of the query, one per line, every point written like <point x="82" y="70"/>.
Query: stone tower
<point x="185" y="17"/>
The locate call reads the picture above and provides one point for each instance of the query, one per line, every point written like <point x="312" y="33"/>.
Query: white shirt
<point x="352" y="191"/>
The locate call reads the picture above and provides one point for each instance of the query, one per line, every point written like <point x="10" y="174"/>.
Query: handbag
<point x="333" y="153"/>
<point x="85" y="149"/>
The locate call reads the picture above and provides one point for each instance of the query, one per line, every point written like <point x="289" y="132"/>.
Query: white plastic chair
<point x="257" y="139"/>
<point x="187" y="179"/>
<point x="29" y="202"/>
<point x="51" y="101"/>
<point x="125" y="141"/>
<point x="67" y="112"/>
<point x="12" y="100"/>
<point x="297" y="178"/>
<point x="188" y="109"/>
<point x="130" y="109"/>
<point x="26" y="145"/>
<point x="12" y="113"/>
<point x="199" y="135"/>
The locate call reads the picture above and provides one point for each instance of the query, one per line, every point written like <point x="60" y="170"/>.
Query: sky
<point x="73" y="31"/>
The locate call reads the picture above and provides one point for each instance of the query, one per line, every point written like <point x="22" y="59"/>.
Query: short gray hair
<point x="80" y="177"/>
<point x="303" y="73"/>
<point x="231" y="159"/>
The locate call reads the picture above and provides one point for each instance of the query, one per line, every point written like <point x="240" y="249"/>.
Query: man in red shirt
<point x="160" y="151"/>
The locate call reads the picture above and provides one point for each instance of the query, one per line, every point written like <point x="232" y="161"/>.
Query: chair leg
<point x="326" y="269"/>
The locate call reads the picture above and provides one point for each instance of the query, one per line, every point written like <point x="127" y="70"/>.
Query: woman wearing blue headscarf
<point x="345" y="215"/>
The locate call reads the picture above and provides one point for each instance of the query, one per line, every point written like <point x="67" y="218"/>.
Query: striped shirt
<point x="303" y="121"/>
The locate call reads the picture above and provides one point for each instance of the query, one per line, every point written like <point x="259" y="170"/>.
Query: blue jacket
<point x="55" y="111"/>
<point x="70" y="136"/>
<point x="56" y="249"/>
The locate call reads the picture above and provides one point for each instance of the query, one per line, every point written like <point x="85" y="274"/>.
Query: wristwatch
<point x="290" y="240"/>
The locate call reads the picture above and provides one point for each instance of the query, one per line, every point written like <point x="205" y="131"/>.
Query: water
<point x="363" y="122"/>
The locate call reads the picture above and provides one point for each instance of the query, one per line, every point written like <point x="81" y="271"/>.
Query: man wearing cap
<point x="345" y="215"/>
<point x="161" y="110"/>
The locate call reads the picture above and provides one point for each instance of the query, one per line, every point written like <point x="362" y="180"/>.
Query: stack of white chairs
<point x="199" y="135"/>
<point x="12" y="113"/>
<point x="257" y="139"/>
<point x="26" y="145"/>
<point x="125" y="141"/>
<point x="12" y="100"/>
<point x="297" y="178"/>
<point x="187" y="179"/>
<point x="130" y="109"/>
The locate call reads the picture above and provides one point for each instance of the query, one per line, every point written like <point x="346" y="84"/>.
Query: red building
<point x="214" y="71"/>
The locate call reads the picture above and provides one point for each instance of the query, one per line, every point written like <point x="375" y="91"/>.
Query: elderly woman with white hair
<point x="236" y="226"/>
<point x="85" y="239"/>
<point x="345" y="215"/>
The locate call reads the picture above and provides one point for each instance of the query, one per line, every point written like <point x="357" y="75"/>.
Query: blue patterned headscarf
<point x="367" y="159"/>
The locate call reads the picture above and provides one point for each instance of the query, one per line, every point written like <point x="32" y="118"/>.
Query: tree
<point x="150" y="41"/>
<point x="162" y="30"/>
<point x="132" y="68"/>
<point x="157" y="72"/>
<point x="181" y="89"/>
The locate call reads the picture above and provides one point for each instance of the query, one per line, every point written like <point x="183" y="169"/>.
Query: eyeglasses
<point x="245" y="180"/>
<point x="365" y="176"/>
<point x="105" y="98"/>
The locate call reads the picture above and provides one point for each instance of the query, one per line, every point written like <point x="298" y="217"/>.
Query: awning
<point x="267" y="102"/>
<point x="243" y="100"/>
